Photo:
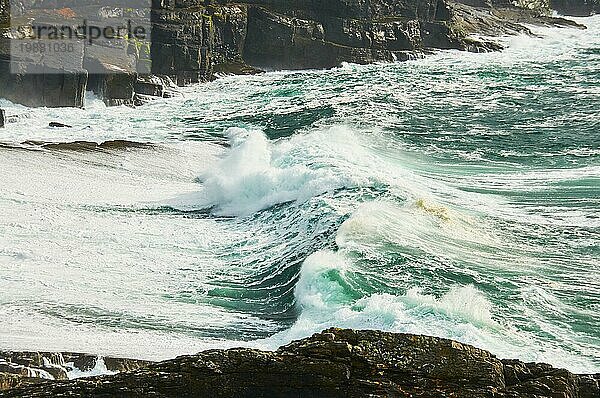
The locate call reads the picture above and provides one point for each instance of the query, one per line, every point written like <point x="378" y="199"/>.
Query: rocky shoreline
<point x="29" y="367"/>
<point x="334" y="363"/>
<point x="197" y="40"/>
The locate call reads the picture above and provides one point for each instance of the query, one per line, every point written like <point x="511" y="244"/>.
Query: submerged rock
<point x="334" y="363"/>
<point x="58" y="125"/>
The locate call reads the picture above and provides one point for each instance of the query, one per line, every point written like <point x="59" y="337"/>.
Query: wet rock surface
<point x="334" y="363"/>
<point x="197" y="40"/>
<point x="576" y="8"/>
<point x="26" y="368"/>
<point x="48" y="88"/>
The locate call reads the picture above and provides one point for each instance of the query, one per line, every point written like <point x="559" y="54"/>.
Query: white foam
<point x="254" y="176"/>
<point x="321" y="282"/>
<point x="462" y="313"/>
<point x="45" y="198"/>
<point x="329" y="295"/>
<point x="99" y="369"/>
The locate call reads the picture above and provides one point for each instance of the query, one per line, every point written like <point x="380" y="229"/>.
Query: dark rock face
<point x="34" y="365"/>
<point x="181" y="39"/>
<point x="60" y="84"/>
<point x="190" y="39"/>
<point x="317" y="34"/>
<point x="9" y="380"/>
<point x="281" y="41"/>
<point x="576" y="8"/>
<point x="193" y="40"/>
<point x="334" y="363"/>
<point x="51" y="89"/>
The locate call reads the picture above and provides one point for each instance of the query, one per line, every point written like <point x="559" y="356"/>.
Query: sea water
<point x="456" y="195"/>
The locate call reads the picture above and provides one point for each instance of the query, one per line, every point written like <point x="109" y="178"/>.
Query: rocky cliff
<point x="334" y="363"/>
<point x="576" y="8"/>
<point x="195" y="40"/>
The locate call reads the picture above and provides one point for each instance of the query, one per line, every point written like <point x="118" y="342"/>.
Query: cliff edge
<point x="196" y="40"/>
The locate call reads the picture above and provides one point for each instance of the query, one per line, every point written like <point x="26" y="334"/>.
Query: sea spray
<point x="250" y="178"/>
<point x="99" y="369"/>
<point x="329" y="294"/>
<point x="458" y="198"/>
<point x="256" y="174"/>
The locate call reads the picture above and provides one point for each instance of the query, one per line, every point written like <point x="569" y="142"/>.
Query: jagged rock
<point x="541" y="7"/>
<point x="115" y="89"/>
<point x="576" y="8"/>
<point x="236" y="68"/>
<point x="150" y="87"/>
<point x="34" y="365"/>
<point x="278" y="41"/>
<point x="334" y="363"/>
<point x="33" y="79"/>
<point x="4" y="14"/>
<point x="87" y="362"/>
<point x="230" y="24"/>
<point x="499" y="21"/>
<point x="24" y="370"/>
<point x="195" y="40"/>
<point x="589" y="386"/>
<point x="32" y="358"/>
<point x="124" y="364"/>
<point x="83" y="362"/>
<point x="181" y="41"/>
<point x="9" y="380"/>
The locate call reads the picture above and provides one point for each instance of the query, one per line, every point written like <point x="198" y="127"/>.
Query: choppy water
<point x="456" y="196"/>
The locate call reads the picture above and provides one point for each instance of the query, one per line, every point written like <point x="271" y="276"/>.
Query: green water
<point x="458" y="196"/>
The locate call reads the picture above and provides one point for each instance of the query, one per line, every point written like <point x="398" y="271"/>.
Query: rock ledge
<point x="334" y="363"/>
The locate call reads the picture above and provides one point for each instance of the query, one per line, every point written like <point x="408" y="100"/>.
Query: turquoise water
<point x="457" y="196"/>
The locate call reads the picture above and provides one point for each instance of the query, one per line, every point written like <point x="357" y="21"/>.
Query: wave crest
<point x="253" y="177"/>
<point x="332" y="292"/>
